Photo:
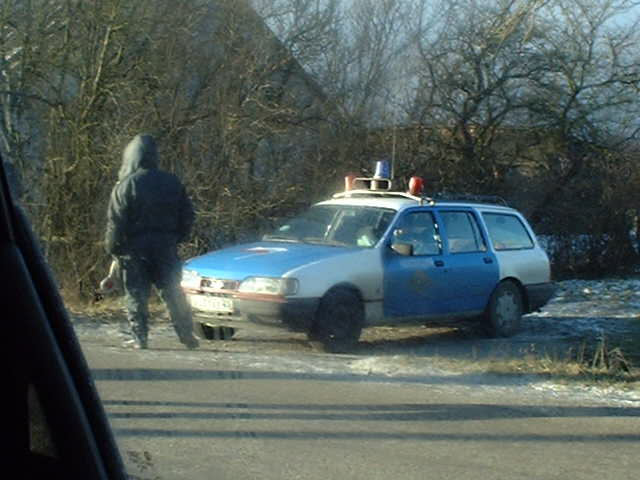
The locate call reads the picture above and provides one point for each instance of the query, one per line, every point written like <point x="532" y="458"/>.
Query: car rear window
<point x="507" y="232"/>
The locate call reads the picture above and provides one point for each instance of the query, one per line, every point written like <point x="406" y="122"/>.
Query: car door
<point x="471" y="267"/>
<point x="415" y="280"/>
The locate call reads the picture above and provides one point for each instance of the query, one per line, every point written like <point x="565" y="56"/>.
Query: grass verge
<point x="602" y="363"/>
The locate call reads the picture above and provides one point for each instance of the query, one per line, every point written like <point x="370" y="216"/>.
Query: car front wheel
<point x="339" y="321"/>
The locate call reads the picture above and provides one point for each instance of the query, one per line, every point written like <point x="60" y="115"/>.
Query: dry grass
<point x="599" y="364"/>
<point x="106" y="307"/>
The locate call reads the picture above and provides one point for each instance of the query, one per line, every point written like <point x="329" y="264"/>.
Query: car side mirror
<point x="405" y="249"/>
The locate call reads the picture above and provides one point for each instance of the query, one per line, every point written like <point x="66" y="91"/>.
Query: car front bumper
<point x="295" y="313"/>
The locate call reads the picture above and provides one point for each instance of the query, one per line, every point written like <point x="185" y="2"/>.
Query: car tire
<point x="504" y="312"/>
<point x="198" y="330"/>
<point x="339" y="320"/>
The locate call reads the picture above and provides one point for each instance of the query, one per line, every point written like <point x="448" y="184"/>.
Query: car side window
<point x="420" y="230"/>
<point x="507" y="232"/>
<point x="463" y="232"/>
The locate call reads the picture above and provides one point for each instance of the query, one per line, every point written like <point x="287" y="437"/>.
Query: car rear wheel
<point x="504" y="312"/>
<point x="339" y="321"/>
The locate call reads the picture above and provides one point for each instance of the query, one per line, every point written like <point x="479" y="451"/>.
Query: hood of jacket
<point x="141" y="153"/>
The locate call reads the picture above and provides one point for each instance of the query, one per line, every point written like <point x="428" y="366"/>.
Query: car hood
<point x="269" y="259"/>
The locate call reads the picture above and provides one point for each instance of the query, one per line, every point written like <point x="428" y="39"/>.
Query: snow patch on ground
<point x="610" y="395"/>
<point x="589" y="308"/>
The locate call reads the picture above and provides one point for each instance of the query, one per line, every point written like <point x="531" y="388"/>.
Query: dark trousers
<point x="159" y="266"/>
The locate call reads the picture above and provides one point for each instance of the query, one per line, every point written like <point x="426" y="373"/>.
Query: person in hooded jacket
<point x="149" y="213"/>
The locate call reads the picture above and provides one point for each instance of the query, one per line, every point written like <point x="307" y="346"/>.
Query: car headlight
<point x="190" y="279"/>
<point x="269" y="286"/>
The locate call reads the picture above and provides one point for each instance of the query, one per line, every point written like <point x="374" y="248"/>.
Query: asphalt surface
<point x="214" y="414"/>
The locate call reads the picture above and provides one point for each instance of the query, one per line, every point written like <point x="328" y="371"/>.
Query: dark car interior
<point x="54" y="422"/>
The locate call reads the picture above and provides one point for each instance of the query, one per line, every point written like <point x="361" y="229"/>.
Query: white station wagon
<point x="372" y="256"/>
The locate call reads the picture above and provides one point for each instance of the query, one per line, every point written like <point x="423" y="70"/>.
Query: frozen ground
<point x="590" y="308"/>
<point x="582" y="311"/>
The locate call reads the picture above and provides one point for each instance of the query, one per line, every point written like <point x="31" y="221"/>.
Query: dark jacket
<point x="147" y="206"/>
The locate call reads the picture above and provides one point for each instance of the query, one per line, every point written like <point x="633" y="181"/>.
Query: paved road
<point x="202" y="415"/>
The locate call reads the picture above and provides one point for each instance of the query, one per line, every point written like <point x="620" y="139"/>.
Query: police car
<point x="373" y="256"/>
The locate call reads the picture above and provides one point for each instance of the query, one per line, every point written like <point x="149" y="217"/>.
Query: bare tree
<point x="226" y="99"/>
<point x="588" y="95"/>
<point x="29" y="86"/>
<point x="84" y="77"/>
<point x="262" y="113"/>
<point x="474" y="67"/>
<point x="593" y="70"/>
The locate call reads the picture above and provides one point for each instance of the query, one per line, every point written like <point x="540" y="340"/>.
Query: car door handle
<point x="438" y="263"/>
<point x="488" y="260"/>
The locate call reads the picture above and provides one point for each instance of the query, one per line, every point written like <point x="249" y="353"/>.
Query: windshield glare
<point x="351" y="226"/>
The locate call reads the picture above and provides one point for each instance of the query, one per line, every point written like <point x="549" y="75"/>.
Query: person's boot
<point x="141" y="344"/>
<point x="191" y="343"/>
<point x="137" y="342"/>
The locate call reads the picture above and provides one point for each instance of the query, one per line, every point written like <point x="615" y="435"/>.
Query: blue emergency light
<point x="383" y="171"/>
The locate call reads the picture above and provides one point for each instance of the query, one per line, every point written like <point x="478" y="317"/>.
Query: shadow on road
<point x="407" y="436"/>
<point x="404" y="412"/>
<point x="140" y="410"/>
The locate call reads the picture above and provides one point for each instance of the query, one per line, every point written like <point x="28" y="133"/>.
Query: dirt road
<point x="267" y="404"/>
<point x="199" y="415"/>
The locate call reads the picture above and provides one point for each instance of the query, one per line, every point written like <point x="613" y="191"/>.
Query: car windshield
<point x="337" y="225"/>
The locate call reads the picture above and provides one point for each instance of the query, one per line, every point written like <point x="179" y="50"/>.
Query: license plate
<point x="209" y="303"/>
